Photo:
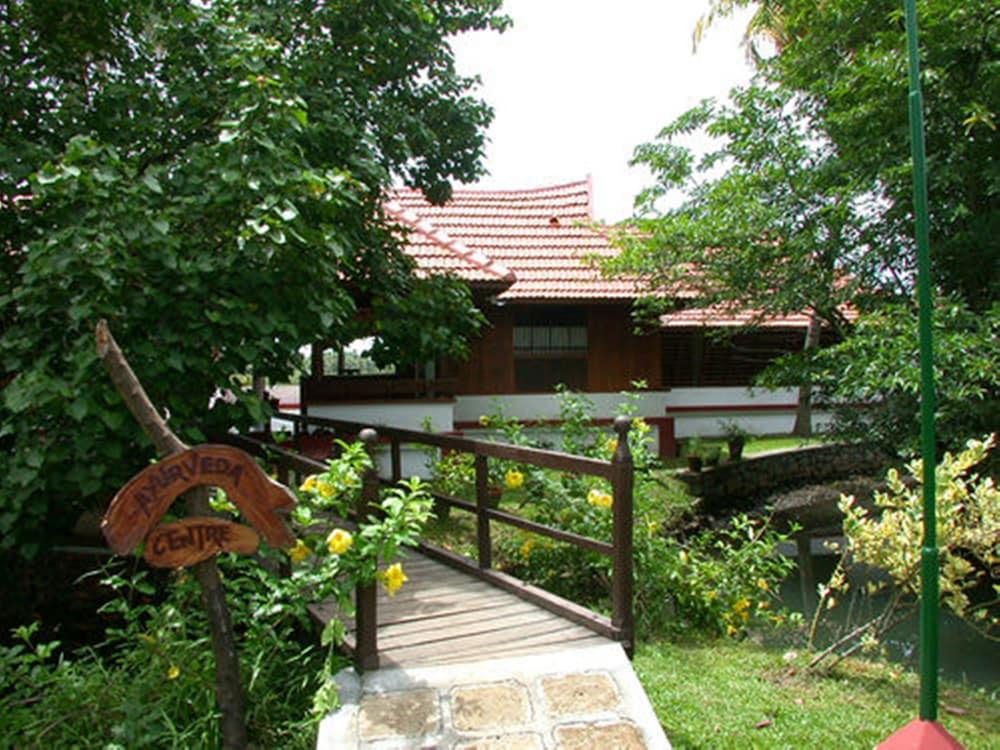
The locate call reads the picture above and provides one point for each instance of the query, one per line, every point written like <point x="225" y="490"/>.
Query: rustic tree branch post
<point x="621" y="580"/>
<point x="365" y="594"/>
<point x="228" y="688"/>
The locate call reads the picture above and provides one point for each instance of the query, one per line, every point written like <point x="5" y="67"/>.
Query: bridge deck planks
<point x="443" y="616"/>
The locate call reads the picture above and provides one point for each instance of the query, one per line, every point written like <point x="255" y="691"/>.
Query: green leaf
<point x="78" y="409"/>
<point x="152" y="183"/>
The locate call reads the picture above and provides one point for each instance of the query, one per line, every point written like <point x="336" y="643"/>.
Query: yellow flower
<point x="742" y="609"/>
<point x="174" y="672"/>
<point x="653" y="528"/>
<point x="641" y="426"/>
<point x="326" y="489"/>
<point x="339" y="541"/>
<point x="484" y="420"/>
<point x="309" y="484"/>
<point x="393" y="578"/>
<point x="731" y="630"/>
<point x="598" y="498"/>
<point x="762" y="585"/>
<point x="514" y="479"/>
<point x="611" y="445"/>
<point x="300" y="551"/>
<point x="526" y="548"/>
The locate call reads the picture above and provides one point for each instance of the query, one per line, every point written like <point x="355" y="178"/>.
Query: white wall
<point x="408" y="415"/>
<point x="656" y="404"/>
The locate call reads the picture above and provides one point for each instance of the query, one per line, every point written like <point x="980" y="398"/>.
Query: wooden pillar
<point x="622" y="617"/>
<point x="366" y="608"/>
<point x="316" y="363"/>
<point x="668" y="438"/>
<point x="482" y="520"/>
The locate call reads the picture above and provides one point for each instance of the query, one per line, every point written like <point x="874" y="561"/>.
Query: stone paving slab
<point x="571" y="699"/>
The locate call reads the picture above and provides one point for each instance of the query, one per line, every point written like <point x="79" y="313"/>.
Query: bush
<point x="890" y="540"/>
<point x="722" y="581"/>
<point x="151" y="684"/>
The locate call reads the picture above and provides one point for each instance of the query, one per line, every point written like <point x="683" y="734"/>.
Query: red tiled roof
<point x="540" y="242"/>
<point x="543" y="237"/>
<point x="722" y="317"/>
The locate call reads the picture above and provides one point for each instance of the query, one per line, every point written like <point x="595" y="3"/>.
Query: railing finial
<point x="622" y="426"/>
<point x="369" y="437"/>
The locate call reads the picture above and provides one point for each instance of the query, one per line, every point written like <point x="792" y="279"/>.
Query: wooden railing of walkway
<point x="619" y="472"/>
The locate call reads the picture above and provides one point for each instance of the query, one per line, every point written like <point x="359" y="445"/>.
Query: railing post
<point x="366" y="614"/>
<point x="482" y="520"/>
<point x="621" y="582"/>
<point x="397" y="460"/>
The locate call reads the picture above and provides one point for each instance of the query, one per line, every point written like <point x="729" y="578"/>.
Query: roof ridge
<point x="584" y="184"/>
<point x="444" y="240"/>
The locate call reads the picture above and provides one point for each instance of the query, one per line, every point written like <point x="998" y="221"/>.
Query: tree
<point x="208" y="177"/>
<point x="808" y="199"/>
<point x="766" y="236"/>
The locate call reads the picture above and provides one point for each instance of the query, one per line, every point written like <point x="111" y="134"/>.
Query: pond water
<point x="965" y="655"/>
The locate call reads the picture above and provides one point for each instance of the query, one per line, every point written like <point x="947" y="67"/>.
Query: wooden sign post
<point x="194" y="541"/>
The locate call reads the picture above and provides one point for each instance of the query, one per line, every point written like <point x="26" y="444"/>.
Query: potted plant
<point x="736" y="437"/>
<point x="693" y="453"/>
<point x="712" y="456"/>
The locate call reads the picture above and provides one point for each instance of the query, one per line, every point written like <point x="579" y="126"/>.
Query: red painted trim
<point x="652" y="421"/>
<point x="731" y="407"/>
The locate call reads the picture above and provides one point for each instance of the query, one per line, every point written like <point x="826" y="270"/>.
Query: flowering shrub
<point x="891" y="538"/>
<point x="332" y="564"/>
<point x="721" y="581"/>
<point x="717" y="581"/>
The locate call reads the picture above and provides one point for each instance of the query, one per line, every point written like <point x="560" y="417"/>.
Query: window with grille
<point x="550" y="347"/>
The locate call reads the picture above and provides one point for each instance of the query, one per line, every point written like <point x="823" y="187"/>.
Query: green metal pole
<point x="930" y="565"/>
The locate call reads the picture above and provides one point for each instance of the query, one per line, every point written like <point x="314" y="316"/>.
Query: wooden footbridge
<point x="454" y="608"/>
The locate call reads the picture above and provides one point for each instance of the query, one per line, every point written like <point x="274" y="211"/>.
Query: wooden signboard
<point x="197" y="538"/>
<point x="141" y="503"/>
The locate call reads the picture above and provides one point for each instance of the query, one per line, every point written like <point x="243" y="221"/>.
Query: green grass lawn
<point x="754" y="446"/>
<point x="722" y="694"/>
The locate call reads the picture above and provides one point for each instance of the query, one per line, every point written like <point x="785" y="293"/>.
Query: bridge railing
<point x="618" y="471"/>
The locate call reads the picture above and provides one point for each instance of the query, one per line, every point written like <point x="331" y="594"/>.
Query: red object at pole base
<point x="921" y="735"/>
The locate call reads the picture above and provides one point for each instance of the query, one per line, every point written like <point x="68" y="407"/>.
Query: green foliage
<point x="782" y="208"/>
<point x="151" y="683"/>
<point x="208" y="178"/>
<point x="715" y="581"/>
<point x="720" y="581"/>
<point x="330" y="565"/>
<point x="879" y="366"/>
<point x="804" y="200"/>
<point x="432" y="317"/>
<point x="889" y="538"/>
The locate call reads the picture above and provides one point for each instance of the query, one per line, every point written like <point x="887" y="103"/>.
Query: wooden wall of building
<point x="490" y="366"/>
<point x="615" y="355"/>
<point x="692" y="358"/>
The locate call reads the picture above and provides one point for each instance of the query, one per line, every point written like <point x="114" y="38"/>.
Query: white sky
<point x="577" y="84"/>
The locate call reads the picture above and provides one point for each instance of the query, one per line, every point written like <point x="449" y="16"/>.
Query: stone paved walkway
<point x="573" y="699"/>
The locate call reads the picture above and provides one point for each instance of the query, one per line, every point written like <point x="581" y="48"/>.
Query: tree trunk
<point x="228" y="688"/>
<point x="803" y="412"/>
